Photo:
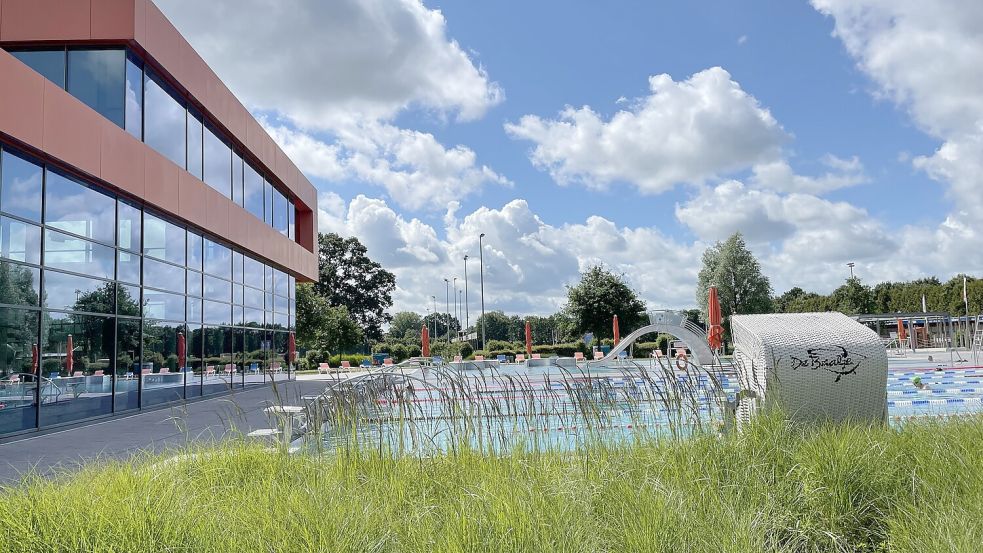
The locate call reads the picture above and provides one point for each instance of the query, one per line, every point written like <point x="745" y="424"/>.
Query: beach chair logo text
<point x="834" y="359"/>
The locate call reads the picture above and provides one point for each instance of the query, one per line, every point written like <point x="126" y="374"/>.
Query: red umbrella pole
<point x="425" y="341"/>
<point x="617" y="331"/>
<point x="291" y="349"/>
<point x="715" y="332"/>
<point x="34" y="359"/>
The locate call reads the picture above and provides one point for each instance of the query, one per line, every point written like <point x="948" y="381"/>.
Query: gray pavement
<point x="171" y="427"/>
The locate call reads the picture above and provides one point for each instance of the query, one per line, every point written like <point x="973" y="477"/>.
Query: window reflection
<point x="195" y="250"/>
<point x="252" y="297"/>
<point x="128" y="267"/>
<point x="218" y="289"/>
<point x="158" y="274"/>
<point x="73" y="207"/>
<point x="80" y="256"/>
<point x="291" y="224"/>
<point x="252" y="191"/>
<point x="237" y="179"/>
<point x="279" y="212"/>
<point x="128" y="300"/>
<point x="19" y="284"/>
<point x="164" y="349"/>
<point x="218" y="260"/>
<point x="18" y="367"/>
<point x="129" y="226"/>
<point x="194" y="144"/>
<point x="49" y="63"/>
<point x="97" y="78"/>
<point x="268" y="203"/>
<point x="163" y="305"/>
<point x="75" y="347"/>
<point x="218" y="163"/>
<point x="252" y="272"/>
<point x="194" y="310"/>
<point x="163" y="240"/>
<point x="20" y="241"/>
<point x="164" y="120"/>
<point x="20" y="189"/>
<point x="134" y="97"/>
<point x="78" y="293"/>
<point x="217" y="313"/>
<point x="127" y="364"/>
<point x="194" y="283"/>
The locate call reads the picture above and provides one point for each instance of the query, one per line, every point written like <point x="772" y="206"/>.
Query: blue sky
<point x="827" y="131"/>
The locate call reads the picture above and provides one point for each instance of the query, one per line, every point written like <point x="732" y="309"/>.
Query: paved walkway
<point x="167" y="428"/>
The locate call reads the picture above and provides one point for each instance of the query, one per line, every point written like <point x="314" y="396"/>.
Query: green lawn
<point x="772" y="488"/>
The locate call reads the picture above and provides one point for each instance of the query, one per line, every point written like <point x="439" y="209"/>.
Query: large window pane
<point x="280" y="283"/>
<point x="291" y="220"/>
<point x="217" y="313"/>
<point x="77" y="293"/>
<point x="20" y="190"/>
<point x="253" y="273"/>
<point x="19" y="284"/>
<point x="76" y="208"/>
<point x="280" y="212"/>
<point x="256" y="353"/>
<point x="83" y="386"/>
<point x="237" y="179"/>
<point x="252" y="297"/>
<point x="128" y="267"/>
<point x="69" y="253"/>
<point x="218" y="163"/>
<point x="163" y="120"/>
<point x="237" y="266"/>
<point x="218" y="357"/>
<point x="18" y="368"/>
<point x="163" y="240"/>
<point x="268" y="203"/>
<point x="163" y="305"/>
<point x="194" y="144"/>
<point x="134" y="97"/>
<point x="20" y="241"/>
<point x="194" y="310"/>
<point x="218" y="260"/>
<point x="163" y="379"/>
<point x="218" y="289"/>
<point x="128" y="300"/>
<point x="49" y="63"/>
<point x="252" y="191"/>
<point x="127" y="364"/>
<point x="98" y="79"/>
<point x="158" y="274"/>
<point x="129" y="227"/>
<point x="194" y="283"/>
<point x="195" y="251"/>
<point x="196" y="339"/>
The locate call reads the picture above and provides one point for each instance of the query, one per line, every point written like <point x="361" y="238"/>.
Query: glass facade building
<point x="116" y="297"/>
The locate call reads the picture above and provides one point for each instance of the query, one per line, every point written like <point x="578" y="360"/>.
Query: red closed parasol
<point x="902" y="331"/>
<point x="34" y="358"/>
<point x="291" y="349"/>
<point x="425" y="341"/>
<point x="617" y="331"/>
<point x="69" y="355"/>
<point x="528" y="338"/>
<point x="182" y="349"/>
<point x="715" y="334"/>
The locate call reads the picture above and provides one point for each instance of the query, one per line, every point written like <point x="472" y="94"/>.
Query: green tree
<point x="498" y="326"/>
<point x="741" y="286"/>
<point x="598" y="297"/>
<point x="323" y="326"/>
<point x="442" y="320"/>
<point x="348" y="277"/>
<point x="405" y="326"/>
<point x="853" y="298"/>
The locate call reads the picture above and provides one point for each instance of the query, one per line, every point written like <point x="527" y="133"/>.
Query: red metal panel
<point x="123" y="160"/>
<point x="21" y="101"/>
<point x="72" y="131"/>
<point x="112" y="19"/>
<point x="38" y="20"/>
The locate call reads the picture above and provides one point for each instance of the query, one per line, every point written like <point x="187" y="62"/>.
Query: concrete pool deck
<point x="172" y="427"/>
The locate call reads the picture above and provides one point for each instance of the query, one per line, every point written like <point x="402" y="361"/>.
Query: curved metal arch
<point x="667" y="322"/>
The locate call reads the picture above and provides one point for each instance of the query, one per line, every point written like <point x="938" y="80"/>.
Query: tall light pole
<point x="467" y="318"/>
<point x="481" y="271"/>
<point x="447" y="304"/>
<point x="851" y="265"/>
<point x="460" y="311"/>
<point x="454" y="288"/>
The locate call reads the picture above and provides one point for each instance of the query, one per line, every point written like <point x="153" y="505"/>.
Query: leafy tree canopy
<point x="598" y="297"/>
<point x="323" y="326"/>
<point x="405" y="325"/>
<point x="349" y="278"/>
<point x="741" y="286"/>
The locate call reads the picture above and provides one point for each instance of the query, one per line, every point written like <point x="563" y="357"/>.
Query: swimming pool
<point x="421" y="408"/>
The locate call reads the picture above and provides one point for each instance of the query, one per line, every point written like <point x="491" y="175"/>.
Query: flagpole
<point x="966" y="303"/>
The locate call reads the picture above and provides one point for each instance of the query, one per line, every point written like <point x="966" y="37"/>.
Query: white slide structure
<point x="667" y="322"/>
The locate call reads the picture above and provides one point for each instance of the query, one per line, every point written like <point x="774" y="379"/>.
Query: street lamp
<point x="851" y="265"/>
<point x="460" y="310"/>
<point x="454" y="288"/>
<point x="481" y="271"/>
<point x="447" y="304"/>
<point x="467" y="319"/>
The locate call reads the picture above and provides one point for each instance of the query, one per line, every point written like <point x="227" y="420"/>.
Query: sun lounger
<point x="78" y="373"/>
<point x="479" y="357"/>
<point x="346" y="365"/>
<point x="537" y="356"/>
<point x="458" y="359"/>
<point x="578" y="356"/>
<point x="388" y="361"/>
<point x="520" y="358"/>
<point x="98" y="373"/>
<point x="598" y="355"/>
<point x="323" y="368"/>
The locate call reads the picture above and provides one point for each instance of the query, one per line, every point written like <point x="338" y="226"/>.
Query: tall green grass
<point x="773" y="487"/>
